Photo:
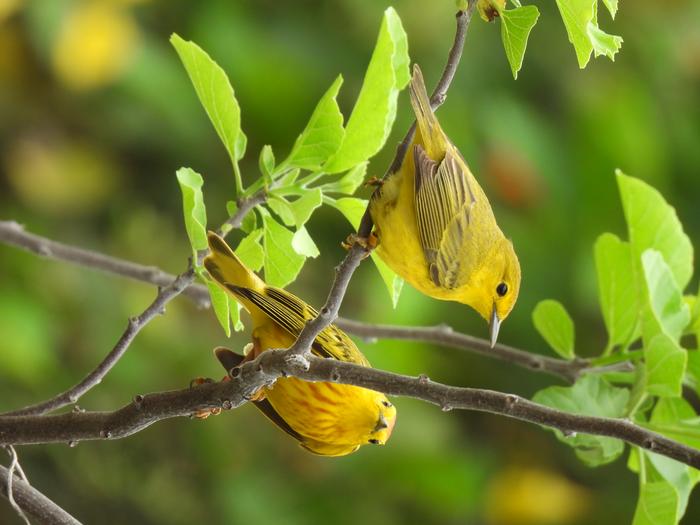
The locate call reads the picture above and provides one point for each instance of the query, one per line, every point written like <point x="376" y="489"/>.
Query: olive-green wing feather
<point x="444" y="201"/>
<point x="292" y="314"/>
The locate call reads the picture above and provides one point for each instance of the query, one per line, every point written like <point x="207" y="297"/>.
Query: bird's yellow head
<point x="497" y="285"/>
<point x="384" y="423"/>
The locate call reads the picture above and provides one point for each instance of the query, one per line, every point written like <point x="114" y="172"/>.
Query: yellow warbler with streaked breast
<point x="326" y="418"/>
<point x="435" y="226"/>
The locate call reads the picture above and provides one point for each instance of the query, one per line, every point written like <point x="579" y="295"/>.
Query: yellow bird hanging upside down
<point x="435" y="227"/>
<point x="326" y="418"/>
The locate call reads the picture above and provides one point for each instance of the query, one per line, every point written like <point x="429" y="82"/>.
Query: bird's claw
<point x="368" y="243"/>
<point x="374" y="182"/>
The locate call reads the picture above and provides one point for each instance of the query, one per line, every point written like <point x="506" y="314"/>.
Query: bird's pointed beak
<point x="494" y="325"/>
<point x="381" y="423"/>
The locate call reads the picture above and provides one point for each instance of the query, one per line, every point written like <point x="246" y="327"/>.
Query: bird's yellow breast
<point x="325" y="412"/>
<point x="394" y="215"/>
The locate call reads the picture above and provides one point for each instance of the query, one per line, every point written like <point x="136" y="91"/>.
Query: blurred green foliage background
<point x="97" y="113"/>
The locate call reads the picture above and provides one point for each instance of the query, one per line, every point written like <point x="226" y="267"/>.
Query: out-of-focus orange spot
<point x="57" y="177"/>
<point x="530" y="496"/>
<point x="512" y="177"/>
<point x="95" y="43"/>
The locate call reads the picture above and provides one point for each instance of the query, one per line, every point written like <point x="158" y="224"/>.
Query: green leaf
<point x="220" y="304"/>
<point x="693" y="368"/>
<point x="250" y="251"/>
<point x="249" y="222"/>
<point x="393" y="283"/>
<point x="556" y="327"/>
<point x="665" y="362"/>
<point x="303" y="244"/>
<point x="303" y="207"/>
<point x="657" y="504"/>
<point x="652" y="223"/>
<point x="516" y="25"/>
<point x="266" y="162"/>
<point x="579" y="16"/>
<point x="322" y="135"/>
<point x="282" y="263"/>
<point x="592" y="396"/>
<point x="617" y="291"/>
<point x="612" y="7"/>
<point x="216" y="95"/>
<point x="375" y="110"/>
<point x="353" y="209"/>
<point x="288" y="177"/>
<point x="193" y="206"/>
<point x="604" y="44"/>
<point x="349" y="182"/>
<point x="282" y="208"/>
<point x="675" y="418"/>
<point x="667" y="311"/>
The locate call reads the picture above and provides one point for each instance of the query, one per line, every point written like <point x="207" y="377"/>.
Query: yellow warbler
<point x="435" y="226"/>
<point x="327" y="419"/>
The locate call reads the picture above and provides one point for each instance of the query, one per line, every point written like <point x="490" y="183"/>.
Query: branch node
<point x="297" y="361"/>
<point x="138" y="401"/>
<point x="446" y="407"/>
<point x="511" y="401"/>
<point x="44" y="250"/>
<point x="234" y="372"/>
<point x="226" y="404"/>
<point x="423" y="379"/>
<point x="73" y="443"/>
<point x="335" y="377"/>
<point x="105" y="434"/>
<point x="569" y="434"/>
<point x="76" y="408"/>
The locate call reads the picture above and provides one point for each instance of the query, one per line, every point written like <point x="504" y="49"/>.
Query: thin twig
<point x="270" y="365"/>
<point x="14" y="234"/>
<point x="440" y="92"/>
<point x="12" y="471"/>
<point x="134" y="326"/>
<point x="444" y="335"/>
<point x="33" y="502"/>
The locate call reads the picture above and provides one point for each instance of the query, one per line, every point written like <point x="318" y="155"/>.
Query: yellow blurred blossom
<point x="532" y="496"/>
<point x="59" y="177"/>
<point x="8" y="8"/>
<point x="94" y="45"/>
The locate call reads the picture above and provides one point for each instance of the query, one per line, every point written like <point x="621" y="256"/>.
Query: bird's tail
<point x="428" y="125"/>
<point x="225" y="267"/>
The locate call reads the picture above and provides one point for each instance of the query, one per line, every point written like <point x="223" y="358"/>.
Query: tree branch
<point x="145" y="410"/>
<point x="29" y="500"/>
<point x="14" y="234"/>
<point x="134" y="326"/>
<point x="443" y="335"/>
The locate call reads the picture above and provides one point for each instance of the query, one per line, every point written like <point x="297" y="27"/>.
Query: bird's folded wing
<point x="444" y="201"/>
<point x="292" y="314"/>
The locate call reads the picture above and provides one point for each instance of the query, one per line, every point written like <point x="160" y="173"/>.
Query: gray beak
<point x="381" y="423"/>
<point x="494" y="325"/>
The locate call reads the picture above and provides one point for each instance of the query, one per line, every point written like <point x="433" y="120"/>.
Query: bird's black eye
<point x="386" y="404"/>
<point x="502" y="289"/>
<point x="373" y="441"/>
